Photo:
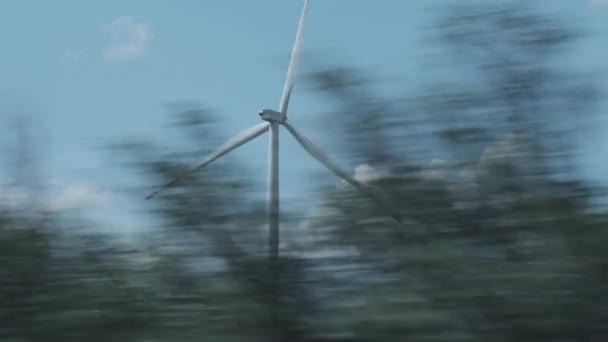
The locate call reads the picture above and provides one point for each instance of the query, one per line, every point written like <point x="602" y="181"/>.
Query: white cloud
<point x="12" y="197"/>
<point x="437" y="169"/>
<point x="73" y="55"/>
<point x="129" y="39"/>
<point x="507" y="148"/>
<point x="598" y="4"/>
<point x="58" y="197"/>
<point x="76" y="196"/>
<point x="328" y="253"/>
<point x="365" y="173"/>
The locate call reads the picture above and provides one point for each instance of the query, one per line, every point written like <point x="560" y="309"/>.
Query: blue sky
<point x="97" y="70"/>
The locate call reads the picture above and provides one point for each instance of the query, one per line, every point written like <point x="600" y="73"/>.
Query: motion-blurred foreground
<point x="504" y="242"/>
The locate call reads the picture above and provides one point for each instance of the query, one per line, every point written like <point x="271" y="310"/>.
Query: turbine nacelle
<point x="272" y="115"/>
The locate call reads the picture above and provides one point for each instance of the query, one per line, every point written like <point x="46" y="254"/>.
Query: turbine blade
<point x="289" y="81"/>
<point x="316" y="153"/>
<point x="234" y="142"/>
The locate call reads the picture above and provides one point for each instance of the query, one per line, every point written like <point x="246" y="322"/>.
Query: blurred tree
<point x="496" y="252"/>
<point x="57" y="287"/>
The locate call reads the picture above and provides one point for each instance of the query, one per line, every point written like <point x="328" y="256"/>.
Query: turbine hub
<point x="272" y="115"/>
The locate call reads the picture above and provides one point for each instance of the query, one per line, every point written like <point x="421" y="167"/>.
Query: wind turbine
<point x="272" y="121"/>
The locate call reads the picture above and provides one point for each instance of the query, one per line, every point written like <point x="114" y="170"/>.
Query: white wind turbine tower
<point x="272" y="120"/>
